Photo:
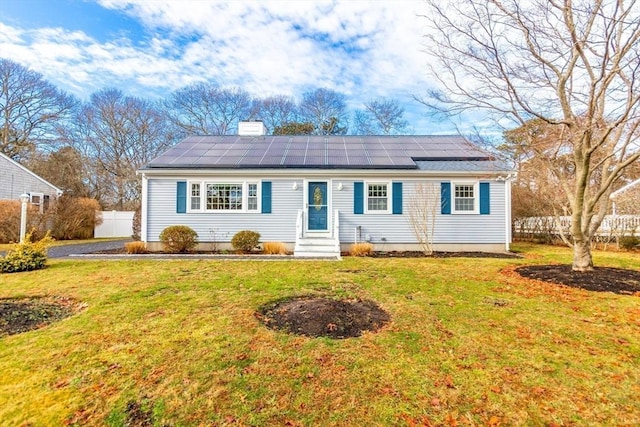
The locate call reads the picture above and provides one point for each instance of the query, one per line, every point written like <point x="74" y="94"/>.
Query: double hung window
<point x="378" y="197"/>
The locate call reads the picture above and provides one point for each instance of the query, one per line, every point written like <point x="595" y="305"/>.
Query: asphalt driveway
<point x="84" y="248"/>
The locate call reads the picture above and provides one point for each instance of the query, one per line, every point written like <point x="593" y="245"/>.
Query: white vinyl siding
<point x="449" y="229"/>
<point x="220" y="226"/>
<point x="287" y="200"/>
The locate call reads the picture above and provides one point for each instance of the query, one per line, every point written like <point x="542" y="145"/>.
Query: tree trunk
<point x="582" y="259"/>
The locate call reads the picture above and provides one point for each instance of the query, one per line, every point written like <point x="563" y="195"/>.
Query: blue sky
<point x="149" y="48"/>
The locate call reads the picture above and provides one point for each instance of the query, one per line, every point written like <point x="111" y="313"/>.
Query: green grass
<point x="467" y="344"/>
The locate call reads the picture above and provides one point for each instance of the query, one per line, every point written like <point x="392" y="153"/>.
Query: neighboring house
<point x="15" y="180"/>
<point x="320" y="194"/>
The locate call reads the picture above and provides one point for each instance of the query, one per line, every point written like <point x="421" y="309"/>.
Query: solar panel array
<point x="343" y="152"/>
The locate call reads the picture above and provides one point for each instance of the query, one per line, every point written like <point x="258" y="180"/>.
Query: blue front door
<point x="317" y="202"/>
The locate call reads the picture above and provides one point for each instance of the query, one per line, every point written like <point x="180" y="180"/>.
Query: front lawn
<point x="177" y="343"/>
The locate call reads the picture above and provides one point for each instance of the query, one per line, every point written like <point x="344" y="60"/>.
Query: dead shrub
<point x="10" y="211"/>
<point x="136" y="247"/>
<point x="274" y="248"/>
<point x="75" y="218"/>
<point x="361" y="249"/>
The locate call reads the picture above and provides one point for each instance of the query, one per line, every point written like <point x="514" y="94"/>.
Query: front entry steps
<point x="317" y="247"/>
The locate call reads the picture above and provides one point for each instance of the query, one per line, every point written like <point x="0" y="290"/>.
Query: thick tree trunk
<point x="582" y="259"/>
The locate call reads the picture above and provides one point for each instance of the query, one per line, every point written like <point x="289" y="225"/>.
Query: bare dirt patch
<point x="323" y="317"/>
<point x="600" y="279"/>
<point x="19" y="315"/>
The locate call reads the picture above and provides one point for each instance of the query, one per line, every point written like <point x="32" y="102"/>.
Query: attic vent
<point x="251" y="128"/>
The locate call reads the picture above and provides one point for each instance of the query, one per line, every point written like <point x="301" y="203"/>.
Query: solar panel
<point x="318" y="151"/>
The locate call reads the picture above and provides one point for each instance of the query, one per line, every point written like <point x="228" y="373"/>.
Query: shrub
<point x="26" y="256"/>
<point x="75" y="218"/>
<point x="136" y="247"/>
<point x="274" y="248"/>
<point x="178" y="238"/>
<point x="361" y="249"/>
<point x="629" y="242"/>
<point x="245" y="240"/>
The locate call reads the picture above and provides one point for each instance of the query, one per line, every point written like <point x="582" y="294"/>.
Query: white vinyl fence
<point x="612" y="227"/>
<point x="115" y="224"/>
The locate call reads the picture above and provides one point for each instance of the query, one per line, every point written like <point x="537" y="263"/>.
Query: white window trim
<point x="476" y="198"/>
<point x="245" y="196"/>
<point x="39" y="204"/>
<point x="389" y="197"/>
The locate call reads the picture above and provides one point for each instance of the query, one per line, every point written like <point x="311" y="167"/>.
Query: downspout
<point x="507" y="212"/>
<point x="143" y="210"/>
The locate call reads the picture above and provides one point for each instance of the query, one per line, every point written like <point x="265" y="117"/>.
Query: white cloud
<point x="364" y="49"/>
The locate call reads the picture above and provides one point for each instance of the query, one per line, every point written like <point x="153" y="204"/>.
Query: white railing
<point x="612" y="226"/>
<point x="336" y="229"/>
<point x="300" y="224"/>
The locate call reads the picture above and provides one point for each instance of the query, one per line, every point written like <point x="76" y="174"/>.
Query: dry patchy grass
<point x="468" y="343"/>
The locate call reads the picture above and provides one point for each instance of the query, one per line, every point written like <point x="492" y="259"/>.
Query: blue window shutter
<point x="181" y="197"/>
<point x="484" y="198"/>
<point x="358" y="197"/>
<point x="445" y="198"/>
<point x="397" y="198"/>
<point x="266" y="197"/>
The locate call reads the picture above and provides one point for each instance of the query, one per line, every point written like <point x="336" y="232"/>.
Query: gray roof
<point x="463" y="165"/>
<point x="318" y="152"/>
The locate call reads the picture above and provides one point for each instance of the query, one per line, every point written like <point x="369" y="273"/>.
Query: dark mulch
<point x="137" y="415"/>
<point x="600" y="279"/>
<point x="19" y="315"/>
<point x="323" y="317"/>
<point x="418" y="254"/>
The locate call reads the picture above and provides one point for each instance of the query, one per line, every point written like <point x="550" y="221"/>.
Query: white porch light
<point x="24" y="199"/>
<point x="295" y="186"/>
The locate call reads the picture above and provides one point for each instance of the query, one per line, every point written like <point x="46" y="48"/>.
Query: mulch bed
<point x="323" y="317"/>
<point x="600" y="279"/>
<point x="19" y="315"/>
<point x="418" y="254"/>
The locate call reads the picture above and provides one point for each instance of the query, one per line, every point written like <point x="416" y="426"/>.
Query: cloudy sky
<point x="148" y="48"/>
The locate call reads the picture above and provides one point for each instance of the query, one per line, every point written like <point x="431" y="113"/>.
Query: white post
<point x="24" y="198"/>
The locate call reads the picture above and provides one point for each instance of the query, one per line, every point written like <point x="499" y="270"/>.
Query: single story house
<point x="16" y="179"/>
<point x="320" y="194"/>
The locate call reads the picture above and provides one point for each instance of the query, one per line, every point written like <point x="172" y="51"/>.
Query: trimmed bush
<point x="245" y="241"/>
<point x="361" y="249"/>
<point x="274" y="248"/>
<point x="136" y="247"/>
<point x="26" y="256"/>
<point x="178" y="238"/>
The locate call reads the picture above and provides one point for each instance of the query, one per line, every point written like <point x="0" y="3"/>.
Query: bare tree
<point x="275" y="111"/>
<point x="326" y="109"/>
<point x="574" y="65"/>
<point x="67" y="169"/>
<point x="423" y="206"/>
<point x="117" y="134"/>
<point x="388" y="115"/>
<point x="206" y="109"/>
<point x="30" y="110"/>
<point x="362" y="123"/>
